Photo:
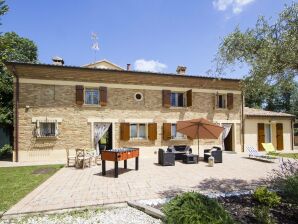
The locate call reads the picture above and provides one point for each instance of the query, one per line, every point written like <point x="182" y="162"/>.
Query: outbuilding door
<point x="279" y="137"/>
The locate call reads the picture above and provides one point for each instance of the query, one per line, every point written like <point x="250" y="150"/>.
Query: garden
<point x="277" y="202"/>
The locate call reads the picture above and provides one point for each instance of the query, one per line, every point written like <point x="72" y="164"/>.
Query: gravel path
<point x="126" y="215"/>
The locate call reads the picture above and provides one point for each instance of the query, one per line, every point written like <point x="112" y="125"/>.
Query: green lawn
<point x="285" y="155"/>
<point x="16" y="182"/>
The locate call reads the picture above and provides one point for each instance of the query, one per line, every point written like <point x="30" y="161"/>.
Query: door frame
<point x="99" y="120"/>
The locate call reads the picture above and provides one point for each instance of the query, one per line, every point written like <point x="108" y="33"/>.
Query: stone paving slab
<point x="70" y="187"/>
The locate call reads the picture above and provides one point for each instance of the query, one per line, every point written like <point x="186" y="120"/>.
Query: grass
<point x="285" y="155"/>
<point x="16" y="182"/>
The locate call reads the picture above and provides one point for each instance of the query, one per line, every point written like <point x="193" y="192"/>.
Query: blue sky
<point x="154" y="35"/>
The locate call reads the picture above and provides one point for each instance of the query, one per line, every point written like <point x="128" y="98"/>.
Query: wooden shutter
<point x="124" y="131"/>
<point x="103" y="96"/>
<point x="261" y="136"/>
<point x="166" y="98"/>
<point x="215" y="100"/>
<point x="279" y="136"/>
<point x="167" y="131"/>
<point x="79" y="95"/>
<point x="189" y="98"/>
<point x="230" y="100"/>
<point x="152" y="131"/>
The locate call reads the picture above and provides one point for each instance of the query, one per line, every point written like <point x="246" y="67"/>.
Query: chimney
<point x="128" y="67"/>
<point x="181" y="70"/>
<point x="57" y="61"/>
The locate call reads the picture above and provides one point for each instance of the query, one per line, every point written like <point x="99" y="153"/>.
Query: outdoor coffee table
<point x="117" y="155"/>
<point x="190" y="158"/>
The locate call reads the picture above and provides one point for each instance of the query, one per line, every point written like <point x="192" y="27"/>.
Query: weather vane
<point x="95" y="44"/>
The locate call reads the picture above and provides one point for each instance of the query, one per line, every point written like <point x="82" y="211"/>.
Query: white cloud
<point x="236" y="5"/>
<point x="150" y="65"/>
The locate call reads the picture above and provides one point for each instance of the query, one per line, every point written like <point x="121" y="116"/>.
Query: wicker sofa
<point x="215" y="152"/>
<point x="179" y="150"/>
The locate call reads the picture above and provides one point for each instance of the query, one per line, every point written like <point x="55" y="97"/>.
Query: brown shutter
<point x="152" y="131"/>
<point x="103" y="96"/>
<point x="124" y="131"/>
<point x="261" y="136"/>
<point x="79" y="95"/>
<point x="166" y="98"/>
<point x="230" y="100"/>
<point x="279" y="136"/>
<point x="215" y="100"/>
<point x="166" y="131"/>
<point x="189" y="98"/>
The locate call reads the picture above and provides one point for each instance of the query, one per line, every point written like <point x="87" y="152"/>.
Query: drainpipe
<point x="16" y="125"/>
<point x="242" y="120"/>
<point x="292" y="133"/>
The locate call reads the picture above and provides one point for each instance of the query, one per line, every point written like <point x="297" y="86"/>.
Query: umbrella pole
<point x="199" y="147"/>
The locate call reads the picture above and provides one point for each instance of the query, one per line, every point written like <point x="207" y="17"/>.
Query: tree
<point x="3" y="8"/>
<point x="12" y="48"/>
<point x="271" y="52"/>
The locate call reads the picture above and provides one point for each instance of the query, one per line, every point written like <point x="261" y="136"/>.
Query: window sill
<point x="139" y="140"/>
<point x="178" y="139"/>
<point x="46" y="137"/>
<point x="221" y="109"/>
<point x="92" y="105"/>
<point x="178" y="108"/>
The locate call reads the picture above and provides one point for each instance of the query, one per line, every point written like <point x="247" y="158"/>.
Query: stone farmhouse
<point x="61" y="107"/>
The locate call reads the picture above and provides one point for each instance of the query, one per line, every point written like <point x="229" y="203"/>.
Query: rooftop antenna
<point x="95" y="44"/>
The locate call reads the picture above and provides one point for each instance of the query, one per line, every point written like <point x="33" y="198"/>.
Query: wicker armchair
<point x="215" y="152"/>
<point x="166" y="158"/>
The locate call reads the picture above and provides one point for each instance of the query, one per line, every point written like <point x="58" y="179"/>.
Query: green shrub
<point x="6" y="150"/>
<point x="285" y="180"/>
<point x="195" y="208"/>
<point x="262" y="215"/>
<point x="289" y="188"/>
<point x="266" y="197"/>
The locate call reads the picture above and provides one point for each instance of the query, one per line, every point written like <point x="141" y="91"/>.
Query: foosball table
<point x="117" y="155"/>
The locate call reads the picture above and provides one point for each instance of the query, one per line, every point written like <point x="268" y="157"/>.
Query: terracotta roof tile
<point x="254" y="112"/>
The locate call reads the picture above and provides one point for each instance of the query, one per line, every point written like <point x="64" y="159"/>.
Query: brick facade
<point x="55" y="99"/>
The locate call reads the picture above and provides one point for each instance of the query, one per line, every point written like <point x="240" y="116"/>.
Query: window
<point x="138" y="131"/>
<point x="267" y="133"/>
<point x="47" y="129"/>
<point x="91" y="96"/>
<point x="138" y="96"/>
<point x="175" y="134"/>
<point x="177" y="99"/>
<point x="221" y="101"/>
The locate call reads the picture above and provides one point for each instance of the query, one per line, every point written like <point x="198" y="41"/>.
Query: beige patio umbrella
<point x="199" y="129"/>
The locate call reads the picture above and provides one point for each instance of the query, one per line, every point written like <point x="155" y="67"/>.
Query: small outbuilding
<point x="261" y="126"/>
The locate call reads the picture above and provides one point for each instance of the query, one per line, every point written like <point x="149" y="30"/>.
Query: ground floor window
<point x="175" y="134"/>
<point x="138" y="131"/>
<point x="47" y="129"/>
<point x="267" y="133"/>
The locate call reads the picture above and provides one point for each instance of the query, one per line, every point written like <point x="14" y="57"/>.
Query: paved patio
<point x="71" y="187"/>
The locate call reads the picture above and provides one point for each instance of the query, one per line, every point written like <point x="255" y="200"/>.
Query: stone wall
<point x="58" y="101"/>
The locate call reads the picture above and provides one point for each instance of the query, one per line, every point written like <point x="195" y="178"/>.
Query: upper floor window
<point x="138" y="131"/>
<point x="175" y="134"/>
<point x="178" y="99"/>
<point x="221" y="100"/>
<point x="91" y="96"/>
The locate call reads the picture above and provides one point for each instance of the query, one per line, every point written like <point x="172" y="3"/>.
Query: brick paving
<point x="71" y="187"/>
